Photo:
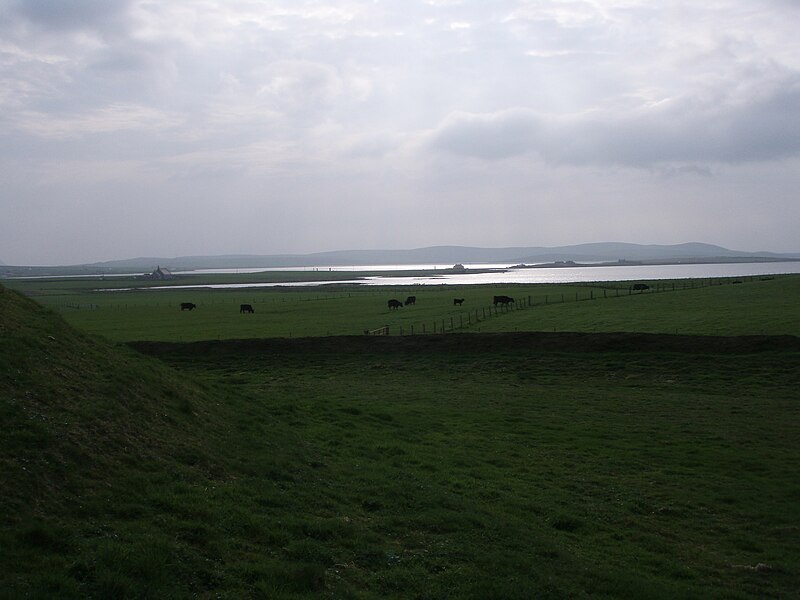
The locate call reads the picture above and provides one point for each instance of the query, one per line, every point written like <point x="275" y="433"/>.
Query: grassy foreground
<point x="480" y="466"/>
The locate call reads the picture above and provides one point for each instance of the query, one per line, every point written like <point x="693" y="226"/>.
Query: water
<point x="506" y="274"/>
<point x="347" y="268"/>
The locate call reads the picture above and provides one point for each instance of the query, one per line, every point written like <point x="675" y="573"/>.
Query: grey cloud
<point x="61" y="15"/>
<point x="766" y="127"/>
<point x="509" y="133"/>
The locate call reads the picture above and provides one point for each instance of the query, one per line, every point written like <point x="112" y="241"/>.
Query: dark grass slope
<point x="104" y="457"/>
<point x="475" y="466"/>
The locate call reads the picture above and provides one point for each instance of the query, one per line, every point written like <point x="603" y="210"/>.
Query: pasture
<point x="756" y="306"/>
<point x="507" y="465"/>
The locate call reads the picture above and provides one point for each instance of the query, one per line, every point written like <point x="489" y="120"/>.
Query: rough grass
<point x="472" y="466"/>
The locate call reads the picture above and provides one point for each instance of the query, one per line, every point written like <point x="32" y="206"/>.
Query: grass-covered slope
<point x="452" y="466"/>
<point x="108" y="460"/>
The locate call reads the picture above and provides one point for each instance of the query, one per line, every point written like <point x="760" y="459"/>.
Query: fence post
<point x="412" y="330"/>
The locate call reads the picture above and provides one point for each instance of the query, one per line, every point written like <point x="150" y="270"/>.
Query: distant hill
<point x="435" y="255"/>
<point x="447" y="255"/>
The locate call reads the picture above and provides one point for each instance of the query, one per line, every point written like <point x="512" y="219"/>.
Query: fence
<point x="452" y="323"/>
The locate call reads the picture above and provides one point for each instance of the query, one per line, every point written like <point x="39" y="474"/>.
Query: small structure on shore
<point x="160" y="273"/>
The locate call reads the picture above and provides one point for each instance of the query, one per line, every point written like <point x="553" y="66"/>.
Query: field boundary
<point x="485" y="342"/>
<point x="464" y="321"/>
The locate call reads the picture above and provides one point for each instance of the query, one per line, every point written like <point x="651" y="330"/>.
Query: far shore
<point x="22" y="272"/>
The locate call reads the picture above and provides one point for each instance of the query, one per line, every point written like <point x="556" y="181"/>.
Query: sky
<point x="170" y="128"/>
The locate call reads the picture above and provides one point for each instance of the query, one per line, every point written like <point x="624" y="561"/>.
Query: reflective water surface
<point x="509" y="274"/>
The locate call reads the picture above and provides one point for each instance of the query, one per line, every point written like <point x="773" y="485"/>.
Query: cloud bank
<point x="135" y="128"/>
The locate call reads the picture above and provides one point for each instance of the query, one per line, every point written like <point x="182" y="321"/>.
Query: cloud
<point x="397" y="116"/>
<point x="501" y="135"/>
<point x="110" y="119"/>
<point x="58" y="15"/>
<point x="760" y="125"/>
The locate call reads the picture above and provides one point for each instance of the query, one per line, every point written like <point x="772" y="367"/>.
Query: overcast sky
<point x="165" y="128"/>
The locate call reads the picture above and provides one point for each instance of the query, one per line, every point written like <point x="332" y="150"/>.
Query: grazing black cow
<point x="640" y="287"/>
<point x="188" y="305"/>
<point x="394" y="304"/>
<point x="458" y="301"/>
<point x="504" y="300"/>
<point x="246" y="308"/>
<point x="411" y="300"/>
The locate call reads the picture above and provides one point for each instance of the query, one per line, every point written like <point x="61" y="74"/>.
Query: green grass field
<point x="757" y="306"/>
<point x="494" y="465"/>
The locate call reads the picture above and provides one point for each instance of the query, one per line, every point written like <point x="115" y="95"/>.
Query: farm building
<point x="161" y="273"/>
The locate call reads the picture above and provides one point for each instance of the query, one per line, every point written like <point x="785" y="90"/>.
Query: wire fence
<point x="450" y="322"/>
<point x="464" y="320"/>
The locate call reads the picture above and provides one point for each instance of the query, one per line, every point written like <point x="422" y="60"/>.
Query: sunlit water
<point x="506" y="274"/>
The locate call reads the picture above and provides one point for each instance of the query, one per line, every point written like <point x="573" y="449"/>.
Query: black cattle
<point x="246" y="308"/>
<point x="458" y="301"/>
<point x="411" y="300"/>
<point x="394" y="304"/>
<point x="640" y="287"/>
<point x="504" y="300"/>
<point x="188" y="305"/>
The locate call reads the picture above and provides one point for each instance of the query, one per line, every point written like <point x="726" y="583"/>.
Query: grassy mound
<point x="106" y="459"/>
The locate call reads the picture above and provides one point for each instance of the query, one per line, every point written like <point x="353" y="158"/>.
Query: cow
<point x="188" y="305"/>
<point x="504" y="300"/>
<point x="246" y="308"/>
<point x="640" y="287"/>
<point x="394" y="304"/>
<point x="458" y="301"/>
<point x="411" y="300"/>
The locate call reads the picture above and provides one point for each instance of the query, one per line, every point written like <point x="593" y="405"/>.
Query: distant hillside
<point x="447" y="255"/>
<point x="435" y="255"/>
